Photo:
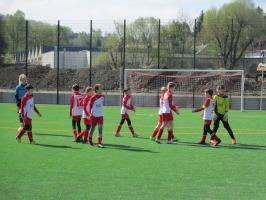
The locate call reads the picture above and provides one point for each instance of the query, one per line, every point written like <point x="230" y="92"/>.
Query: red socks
<point x="30" y="136"/>
<point x="118" y="129"/>
<point x="81" y="134"/>
<point x="75" y="133"/>
<point x="154" y="133"/>
<point x="120" y="126"/>
<point x="160" y="134"/>
<point x="99" y="140"/>
<point x="131" y="129"/>
<point x="20" y="133"/>
<point x="203" y="138"/>
<point x="170" y="135"/>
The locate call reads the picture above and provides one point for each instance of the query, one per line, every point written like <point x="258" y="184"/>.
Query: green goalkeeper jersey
<point x="221" y="104"/>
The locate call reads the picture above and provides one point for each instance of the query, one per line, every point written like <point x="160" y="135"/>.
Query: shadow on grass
<point x="143" y="138"/>
<point x="222" y="146"/>
<point x="193" y="144"/>
<point x="251" y="145"/>
<point x="56" y="146"/>
<point x="49" y="134"/>
<point x="128" y="148"/>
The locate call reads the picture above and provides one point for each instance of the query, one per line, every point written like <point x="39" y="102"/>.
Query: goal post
<point x="190" y="83"/>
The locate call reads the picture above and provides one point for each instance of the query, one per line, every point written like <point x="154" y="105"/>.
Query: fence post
<point x="194" y="58"/>
<point x="26" y="47"/>
<point x="159" y="42"/>
<point x="261" y="89"/>
<point x="158" y="56"/>
<point x="90" y="49"/>
<point x="124" y="58"/>
<point x="57" y="64"/>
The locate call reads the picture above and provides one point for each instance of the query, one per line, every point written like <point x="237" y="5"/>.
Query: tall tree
<point x="15" y="25"/>
<point x="232" y="29"/>
<point x="3" y="42"/>
<point x="176" y="41"/>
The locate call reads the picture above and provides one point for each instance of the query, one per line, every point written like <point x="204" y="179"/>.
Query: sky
<point x="75" y="13"/>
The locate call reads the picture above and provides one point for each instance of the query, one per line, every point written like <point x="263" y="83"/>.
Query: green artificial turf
<point x="131" y="168"/>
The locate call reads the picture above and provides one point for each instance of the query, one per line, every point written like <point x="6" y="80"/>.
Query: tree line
<point x="226" y="32"/>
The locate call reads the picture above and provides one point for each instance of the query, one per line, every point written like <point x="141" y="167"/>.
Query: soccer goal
<point x="190" y="84"/>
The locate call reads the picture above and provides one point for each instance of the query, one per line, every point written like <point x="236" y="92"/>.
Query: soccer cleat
<point x="117" y="135"/>
<point x="171" y="142"/>
<point x="158" y="141"/>
<point x="135" y="135"/>
<point x="33" y="142"/>
<point x="175" y="140"/>
<point x="100" y="146"/>
<point x="234" y="141"/>
<point x="18" y="139"/>
<point x="217" y="142"/>
<point x="152" y="138"/>
<point x="213" y="141"/>
<point x="91" y="143"/>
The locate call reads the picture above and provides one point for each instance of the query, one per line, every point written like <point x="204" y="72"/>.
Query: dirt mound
<point x="44" y="78"/>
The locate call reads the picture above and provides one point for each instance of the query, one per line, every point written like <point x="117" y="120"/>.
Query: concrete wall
<point x="140" y="100"/>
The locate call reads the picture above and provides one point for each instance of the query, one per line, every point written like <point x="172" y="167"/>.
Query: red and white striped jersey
<point x="27" y="106"/>
<point x="127" y="104"/>
<point x="168" y="103"/>
<point x="76" y="104"/>
<point x="86" y="106"/>
<point x="96" y="105"/>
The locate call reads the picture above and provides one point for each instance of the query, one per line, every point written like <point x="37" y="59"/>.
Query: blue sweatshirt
<point x="20" y="91"/>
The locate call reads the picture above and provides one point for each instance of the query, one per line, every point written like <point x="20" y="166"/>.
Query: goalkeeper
<point x="221" y="107"/>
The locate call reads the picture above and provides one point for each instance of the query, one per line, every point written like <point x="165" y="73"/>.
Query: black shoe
<point x="79" y="139"/>
<point x="91" y="143"/>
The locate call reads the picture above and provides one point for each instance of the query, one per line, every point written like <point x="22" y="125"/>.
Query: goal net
<point x="190" y="84"/>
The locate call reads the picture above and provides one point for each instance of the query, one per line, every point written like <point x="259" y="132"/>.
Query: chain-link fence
<point x="56" y="54"/>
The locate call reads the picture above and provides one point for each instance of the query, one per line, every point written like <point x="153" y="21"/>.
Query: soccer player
<point x="160" y="120"/>
<point x="27" y="107"/>
<point x="127" y="104"/>
<point x="167" y="115"/>
<point x="221" y="107"/>
<point x="207" y="117"/>
<point x="76" y="109"/>
<point x="96" y="114"/>
<point x="85" y="115"/>
<point x="20" y="92"/>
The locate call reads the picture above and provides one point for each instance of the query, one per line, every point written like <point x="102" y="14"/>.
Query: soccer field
<point x="131" y="168"/>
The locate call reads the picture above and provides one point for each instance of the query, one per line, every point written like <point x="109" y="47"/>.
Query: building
<point x="70" y="57"/>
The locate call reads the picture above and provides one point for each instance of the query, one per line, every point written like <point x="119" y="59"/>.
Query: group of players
<point x="90" y="108"/>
